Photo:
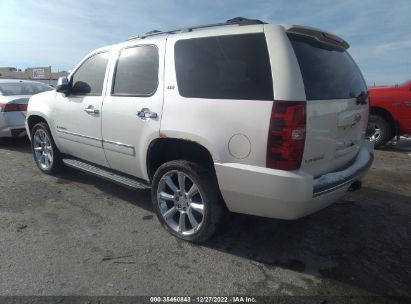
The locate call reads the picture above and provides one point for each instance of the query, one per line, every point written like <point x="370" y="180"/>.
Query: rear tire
<point x="187" y="200"/>
<point x="46" y="155"/>
<point x="379" y="130"/>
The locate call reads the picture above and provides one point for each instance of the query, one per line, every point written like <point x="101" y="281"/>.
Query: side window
<point x="224" y="67"/>
<point x="137" y="71"/>
<point x="89" y="78"/>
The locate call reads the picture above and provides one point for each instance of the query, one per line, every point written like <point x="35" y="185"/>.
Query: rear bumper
<point x="333" y="181"/>
<point x="283" y="194"/>
<point x="12" y="124"/>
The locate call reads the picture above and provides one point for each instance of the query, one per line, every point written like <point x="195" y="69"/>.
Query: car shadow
<point x="68" y="175"/>
<point x="15" y="144"/>
<point x="140" y="198"/>
<point x="363" y="241"/>
<point x="403" y="145"/>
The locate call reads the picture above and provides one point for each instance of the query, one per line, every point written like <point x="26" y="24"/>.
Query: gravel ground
<point x="75" y="234"/>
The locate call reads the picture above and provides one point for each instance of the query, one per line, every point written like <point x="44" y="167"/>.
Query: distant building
<point x="43" y="74"/>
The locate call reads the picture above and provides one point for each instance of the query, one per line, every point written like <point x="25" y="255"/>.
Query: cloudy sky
<point x="59" y="33"/>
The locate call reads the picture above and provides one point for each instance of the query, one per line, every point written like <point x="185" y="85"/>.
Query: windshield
<point x="23" y="88"/>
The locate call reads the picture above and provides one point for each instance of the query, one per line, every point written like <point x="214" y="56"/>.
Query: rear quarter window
<point x="328" y="72"/>
<point x="224" y="67"/>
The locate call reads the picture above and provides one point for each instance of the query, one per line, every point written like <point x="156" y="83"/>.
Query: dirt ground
<point x="75" y="234"/>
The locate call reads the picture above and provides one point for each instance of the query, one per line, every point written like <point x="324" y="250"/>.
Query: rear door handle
<point x="90" y="110"/>
<point x="145" y="114"/>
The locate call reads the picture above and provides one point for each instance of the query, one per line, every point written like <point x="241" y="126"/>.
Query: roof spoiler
<point x="319" y="35"/>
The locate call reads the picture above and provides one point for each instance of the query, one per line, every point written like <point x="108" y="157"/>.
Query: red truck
<point x="390" y="112"/>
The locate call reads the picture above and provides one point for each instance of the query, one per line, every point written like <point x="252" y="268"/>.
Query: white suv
<point x="251" y="117"/>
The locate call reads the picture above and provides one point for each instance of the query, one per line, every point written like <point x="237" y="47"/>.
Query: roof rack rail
<point x="244" y="21"/>
<point x="237" y="20"/>
<point x="152" y="32"/>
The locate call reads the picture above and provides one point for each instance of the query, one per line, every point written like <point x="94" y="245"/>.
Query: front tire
<point x="379" y="130"/>
<point x="46" y="155"/>
<point x="186" y="199"/>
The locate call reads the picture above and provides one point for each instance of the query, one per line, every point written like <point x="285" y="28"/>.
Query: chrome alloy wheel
<point x="43" y="150"/>
<point x="375" y="132"/>
<point x="182" y="209"/>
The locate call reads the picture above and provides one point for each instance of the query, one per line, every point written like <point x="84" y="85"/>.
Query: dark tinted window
<point x="224" y="67"/>
<point x="89" y="78"/>
<point x="137" y="71"/>
<point x="328" y="72"/>
<point x="23" y="88"/>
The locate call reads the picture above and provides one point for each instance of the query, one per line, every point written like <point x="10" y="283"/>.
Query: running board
<point x="106" y="174"/>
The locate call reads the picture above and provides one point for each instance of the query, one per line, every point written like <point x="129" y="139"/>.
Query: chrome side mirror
<point x="63" y="85"/>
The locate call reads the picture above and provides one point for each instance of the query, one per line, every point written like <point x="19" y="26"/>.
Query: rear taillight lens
<point x="23" y="107"/>
<point x="12" y="107"/>
<point x="286" y="137"/>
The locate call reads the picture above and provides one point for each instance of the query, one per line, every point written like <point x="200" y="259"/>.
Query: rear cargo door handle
<point x="90" y="110"/>
<point x="145" y="114"/>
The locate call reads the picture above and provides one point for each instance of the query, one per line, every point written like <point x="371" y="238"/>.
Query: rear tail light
<point x="12" y="107"/>
<point x="23" y="107"/>
<point x="286" y="137"/>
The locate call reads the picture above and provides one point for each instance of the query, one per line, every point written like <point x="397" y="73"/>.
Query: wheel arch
<point x="387" y="116"/>
<point x="162" y="150"/>
<point x="34" y="119"/>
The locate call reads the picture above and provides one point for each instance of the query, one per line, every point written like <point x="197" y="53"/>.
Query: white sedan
<point x="14" y="96"/>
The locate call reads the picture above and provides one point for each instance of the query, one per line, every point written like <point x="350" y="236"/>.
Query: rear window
<point x="224" y="67"/>
<point x="328" y="73"/>
<point x="23" y="88"/>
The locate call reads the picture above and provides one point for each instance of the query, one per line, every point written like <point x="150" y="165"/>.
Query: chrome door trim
<point x="80" y="138"/>
<point x="118" y="143"/>
<point x="78" y="135"/>
<point x="119" y="147"/>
